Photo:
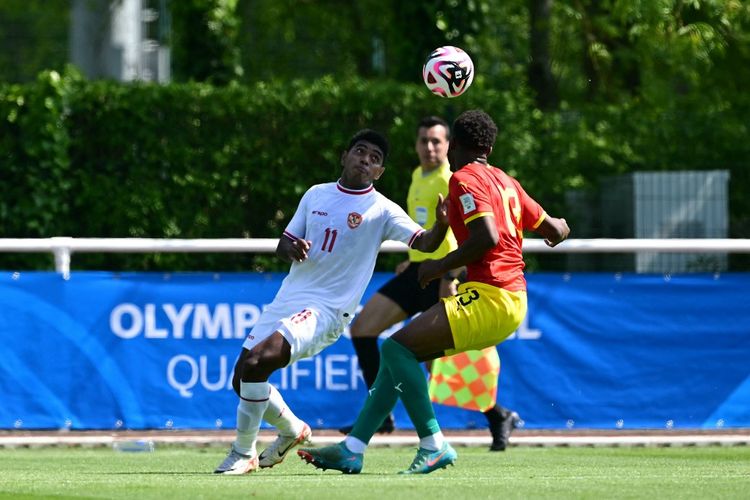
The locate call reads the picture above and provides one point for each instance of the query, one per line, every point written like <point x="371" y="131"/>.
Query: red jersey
<point x="479" y="190"/>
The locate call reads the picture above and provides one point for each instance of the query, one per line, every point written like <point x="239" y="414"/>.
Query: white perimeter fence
<point x="64" y="247"/>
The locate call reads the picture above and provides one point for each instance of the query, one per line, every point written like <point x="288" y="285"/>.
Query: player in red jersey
<point x="488" y="212"/>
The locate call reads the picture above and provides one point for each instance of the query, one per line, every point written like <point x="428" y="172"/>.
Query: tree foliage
<point x="581" y="89"/>
<point x="33" y="37"/>
<point x="204" y="45"/>
<point x="200" y="161"/>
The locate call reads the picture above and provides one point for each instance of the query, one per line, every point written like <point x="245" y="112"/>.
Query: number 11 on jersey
<point x="330" y="235"/>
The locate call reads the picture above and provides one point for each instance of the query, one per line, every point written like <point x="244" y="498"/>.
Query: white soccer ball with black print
<point x="448" y="71"/>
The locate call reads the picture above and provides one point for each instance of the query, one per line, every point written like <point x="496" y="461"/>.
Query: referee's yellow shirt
<point x="420" y="203"/>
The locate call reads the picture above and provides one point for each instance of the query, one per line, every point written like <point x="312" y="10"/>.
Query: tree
<point x="204" y="42"/>
<point x="34" y="37"/>
<point x="541" y="79"/>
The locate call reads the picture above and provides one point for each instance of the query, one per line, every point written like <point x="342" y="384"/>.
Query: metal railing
<point x="63" y="247"/>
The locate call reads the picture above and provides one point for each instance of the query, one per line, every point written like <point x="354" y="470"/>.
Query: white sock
<point x="280" y="416"/>
<point x="355" y="445"/>
<point x="253" y="403"/>
<point x="433" y="442"/>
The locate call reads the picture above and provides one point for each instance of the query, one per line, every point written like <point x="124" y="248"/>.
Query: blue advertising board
<point x="108" y="350"/>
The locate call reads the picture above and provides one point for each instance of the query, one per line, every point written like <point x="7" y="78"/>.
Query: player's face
<point x="432" y="146"/>
<point x="363" y="164"/>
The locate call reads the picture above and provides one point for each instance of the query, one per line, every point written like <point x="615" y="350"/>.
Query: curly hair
<point x="475" y="130"/>
<point x="373" y="137"/>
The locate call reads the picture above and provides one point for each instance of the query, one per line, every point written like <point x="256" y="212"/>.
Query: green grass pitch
<point x="521" y="472"/>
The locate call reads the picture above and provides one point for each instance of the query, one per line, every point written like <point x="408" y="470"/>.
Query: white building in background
<point x="121" y="39"/>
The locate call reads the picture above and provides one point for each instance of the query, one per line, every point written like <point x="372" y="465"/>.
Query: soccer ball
<point x="448" y="71"/>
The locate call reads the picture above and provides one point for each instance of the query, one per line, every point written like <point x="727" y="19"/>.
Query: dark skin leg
<point x="428" y="335"/>
<point x="257" y="364"/>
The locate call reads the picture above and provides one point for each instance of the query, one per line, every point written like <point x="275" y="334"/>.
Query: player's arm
<point x="291" y="248"/>
<point x="482" y="237"/>
<point x="430" y="240"/>
<point x="553" y="230"/>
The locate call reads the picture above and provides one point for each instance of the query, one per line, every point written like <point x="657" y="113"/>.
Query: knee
<point x="236" y="379"/>
<point x="390" y="348"/>
<point x="247" y="369"/>
<point x="394" y="350"/>
<point x="364" y="326"/>
<point x="356" y="329"/>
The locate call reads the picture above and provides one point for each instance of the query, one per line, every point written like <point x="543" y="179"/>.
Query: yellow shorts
<point x="482" y="315"/>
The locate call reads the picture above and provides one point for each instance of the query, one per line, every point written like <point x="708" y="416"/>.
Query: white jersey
<point x="345" y="228"/>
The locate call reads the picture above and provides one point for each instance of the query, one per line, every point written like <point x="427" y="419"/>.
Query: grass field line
<point x="11" y="439"/>
<point x="523" y="473"/>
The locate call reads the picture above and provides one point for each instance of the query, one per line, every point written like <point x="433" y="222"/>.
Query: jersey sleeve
<point x="472" y="201"/>
<point x="296" y="227"/>
<point x="532" y="213"/>
<point x="399" y="226"/>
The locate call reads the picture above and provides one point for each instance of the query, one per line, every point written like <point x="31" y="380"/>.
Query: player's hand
<point x="441" y="210"/>
<point x="401" y="267"/>
<point x="448" y="288"/>
<point x="298" y="249"/>
<point x="428" y="271"/>
<point x="564" y="232"/>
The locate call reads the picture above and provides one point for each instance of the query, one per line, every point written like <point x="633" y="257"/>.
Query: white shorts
<point x="308" y="330"/>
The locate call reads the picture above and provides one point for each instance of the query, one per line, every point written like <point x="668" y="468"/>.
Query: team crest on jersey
<point x="354" y="220"/>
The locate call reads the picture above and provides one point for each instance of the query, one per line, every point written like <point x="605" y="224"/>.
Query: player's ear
<point x="343" y="156"/>
<point x="378" y="171"/>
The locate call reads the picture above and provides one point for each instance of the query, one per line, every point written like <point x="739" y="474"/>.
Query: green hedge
<point x="34" y="163"/>
<point x="102" y="159"/>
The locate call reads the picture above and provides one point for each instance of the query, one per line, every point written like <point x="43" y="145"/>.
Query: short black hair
<point x="475" y="130"/>
<point x="434" y="121"/>
<point x="373" y="137"/>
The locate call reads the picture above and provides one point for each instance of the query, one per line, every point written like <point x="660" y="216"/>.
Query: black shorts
<point x="405" y="291"/>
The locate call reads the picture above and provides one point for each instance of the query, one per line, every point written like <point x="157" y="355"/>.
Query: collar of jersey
<point x="440" y="168"/>
<point x="354" y="191"/>
<point x="480" y="164"/>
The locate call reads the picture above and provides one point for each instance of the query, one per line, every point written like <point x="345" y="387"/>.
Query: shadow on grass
<point x="250" y="475"/>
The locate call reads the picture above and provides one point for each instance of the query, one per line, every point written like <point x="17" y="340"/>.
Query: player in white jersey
<point x="332" y="241"/>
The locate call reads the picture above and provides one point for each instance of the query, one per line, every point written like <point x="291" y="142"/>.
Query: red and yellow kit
<point x="480" y="190"/>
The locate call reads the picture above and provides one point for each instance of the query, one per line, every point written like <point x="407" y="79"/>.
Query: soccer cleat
<point x="427" y="461"/>
<point x="337" y="457"/>
<point x="282" y="445"/>
<point x="501" y="431"/>
<point x="237" y="463"/>
<point x="386" y="427"/>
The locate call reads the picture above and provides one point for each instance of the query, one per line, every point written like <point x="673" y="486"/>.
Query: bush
<point x="103" y="159"/>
